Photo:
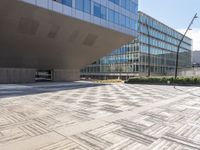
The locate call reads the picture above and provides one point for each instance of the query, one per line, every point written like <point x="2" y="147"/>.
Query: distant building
<point x="196" y="58"/>
<point x="133" y="59"/>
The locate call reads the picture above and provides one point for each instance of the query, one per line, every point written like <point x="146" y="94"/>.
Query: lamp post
<point x="179" y="45"/>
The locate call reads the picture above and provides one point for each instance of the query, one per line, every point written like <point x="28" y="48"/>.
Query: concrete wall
<point x="190" y="72"/>
<point x="60" y="75"/>
<point x="196" y="58"/>
<point x="18" y="75"/>
<point x="14" y="75"/>
<point x="187" y="72"/>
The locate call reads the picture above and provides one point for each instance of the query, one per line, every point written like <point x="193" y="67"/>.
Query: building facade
<point x="119" y="15"/>
<point x="155" y="49"/>
<point x="56" y="38"/>
<point x="196" y="58"/>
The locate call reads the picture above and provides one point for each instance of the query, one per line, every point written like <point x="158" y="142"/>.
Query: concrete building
<point x="156" y="41"/>
<point x="54" y="39"/>
<point x="196" y="58"/>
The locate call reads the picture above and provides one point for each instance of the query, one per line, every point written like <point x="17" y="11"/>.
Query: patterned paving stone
<point x="91" y="116"/>
<point x="64" y="145"/>
<point x="163" y="144"/>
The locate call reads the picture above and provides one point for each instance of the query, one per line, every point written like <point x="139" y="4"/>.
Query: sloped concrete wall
<point x="14" y="75"/>
<point x="60" y="75"/>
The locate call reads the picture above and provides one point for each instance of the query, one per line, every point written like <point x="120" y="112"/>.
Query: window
<point x="133" y="7"/>
<point x="127" y="22"/>
<point x="115" y="1"/>
<point x="97" y="10"/>
<point x="127" y="4"/>
<point x="103" y="12"/>
<point x="79" y="5"/>
<point x="123" y="3"/>
<point x="111" y="15"/>
<point x="132" y="25"/>
<point x="116" y="18"/>
<point x="87" y="6"/>
<point x="100" y="11"/>
<point x="123" y="20"/>
<point x="67" y="2"/>
<point x="83" y="5"/>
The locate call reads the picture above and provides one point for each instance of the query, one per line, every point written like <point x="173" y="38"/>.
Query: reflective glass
<point x="87" y="6"/>
<point x="116" y="15"/>
<point x="100" y="11"/>
<point x="83" y="5"/>
<point x="97" y="10"/>
<point x="115" y="1"/>
<point x="111" y="15"/>
<point x="67" y="2"/>
<point x="123" y="20"/>
<point x="79" y="5"/>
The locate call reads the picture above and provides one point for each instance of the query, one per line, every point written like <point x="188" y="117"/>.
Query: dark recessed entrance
<point x="43" y="75"/>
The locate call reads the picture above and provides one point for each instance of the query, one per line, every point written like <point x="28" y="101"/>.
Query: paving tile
<point x="91" y="116"/>
<point x="33" y="142"/>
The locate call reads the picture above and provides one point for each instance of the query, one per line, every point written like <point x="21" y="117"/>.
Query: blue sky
<point x="175" y="13"/>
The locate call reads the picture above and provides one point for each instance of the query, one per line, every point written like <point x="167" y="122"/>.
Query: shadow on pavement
<point x="12" y="90"/>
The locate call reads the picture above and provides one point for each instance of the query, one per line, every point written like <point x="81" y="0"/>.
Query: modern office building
<point x="155" y="48"/>
<point x="54" y="39"/>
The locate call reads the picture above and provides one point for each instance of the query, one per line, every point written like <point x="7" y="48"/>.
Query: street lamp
<point x="179" y="45"/>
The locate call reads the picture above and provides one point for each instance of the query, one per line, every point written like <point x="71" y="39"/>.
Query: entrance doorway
<point x="43" y="75"/>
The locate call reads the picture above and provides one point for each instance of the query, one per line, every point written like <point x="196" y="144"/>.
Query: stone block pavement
<point x="91" y="116"/>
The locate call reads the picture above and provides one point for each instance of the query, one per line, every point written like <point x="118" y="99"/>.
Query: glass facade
<point x="119" y="15"/>
<point x="133" y="59"/>
<point x="83" y="5"/>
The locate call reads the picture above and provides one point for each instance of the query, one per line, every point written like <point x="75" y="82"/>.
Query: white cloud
<point x="195" y="35"/>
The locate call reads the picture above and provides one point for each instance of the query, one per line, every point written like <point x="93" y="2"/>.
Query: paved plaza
<point x="94" y="116"/>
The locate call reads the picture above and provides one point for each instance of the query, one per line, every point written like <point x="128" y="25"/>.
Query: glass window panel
<point x="123" y="20"/>
<point x="132" y="26"/>
<point x="111" y="15"/>
<point x="100" y="11"/>
<point x="79" y="5"/>
<point x="87" y="6"/>
<point x="67" y="2"/>
<point x="83" y="5"/>
<point x="103" y="12"/>
<point x="132" y="7"/>
<point x="115" y="1"/>
<point x="116" y="17"/>
<point x="127" y="4"/>
<point x="127" y="22"/>
<point x="97" y="10"/>
<point x="123" y="3"/>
